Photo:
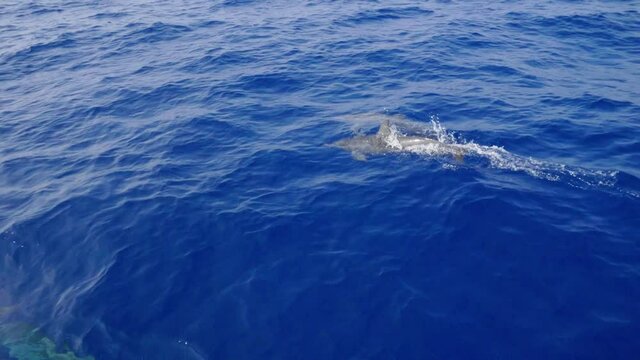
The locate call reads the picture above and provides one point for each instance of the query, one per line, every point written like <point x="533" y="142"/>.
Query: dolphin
<point x="389" y="140"/>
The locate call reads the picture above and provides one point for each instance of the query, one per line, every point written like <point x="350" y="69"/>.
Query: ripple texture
<point x="166" y="191"/>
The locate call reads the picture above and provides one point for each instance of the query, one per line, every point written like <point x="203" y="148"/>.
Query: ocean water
<point x="167" y="190"/>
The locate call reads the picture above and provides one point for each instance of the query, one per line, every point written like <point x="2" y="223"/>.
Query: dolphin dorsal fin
<point x="384" y="130"/>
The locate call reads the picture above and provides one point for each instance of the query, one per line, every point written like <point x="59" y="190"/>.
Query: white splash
<point x="392" y="138"/>
<point x="496" y="156"/>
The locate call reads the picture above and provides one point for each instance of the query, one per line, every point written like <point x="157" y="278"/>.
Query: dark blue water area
<point x="166" y="191"/>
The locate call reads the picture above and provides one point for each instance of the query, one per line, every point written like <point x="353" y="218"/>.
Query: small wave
<point x="109" y="15"/>
<point x="384" y="14"/>
<point x="152" y="33"/>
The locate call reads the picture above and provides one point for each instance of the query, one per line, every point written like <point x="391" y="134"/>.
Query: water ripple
<point x="166" y="191"/>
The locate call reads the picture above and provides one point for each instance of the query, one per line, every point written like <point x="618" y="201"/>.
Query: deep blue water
<point x="166" y="191"/>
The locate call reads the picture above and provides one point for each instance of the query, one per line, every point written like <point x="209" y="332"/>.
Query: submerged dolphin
<point x="388" y="139"/>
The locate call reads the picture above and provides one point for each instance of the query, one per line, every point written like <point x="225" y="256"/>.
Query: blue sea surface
<point x="167" y="190"/>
